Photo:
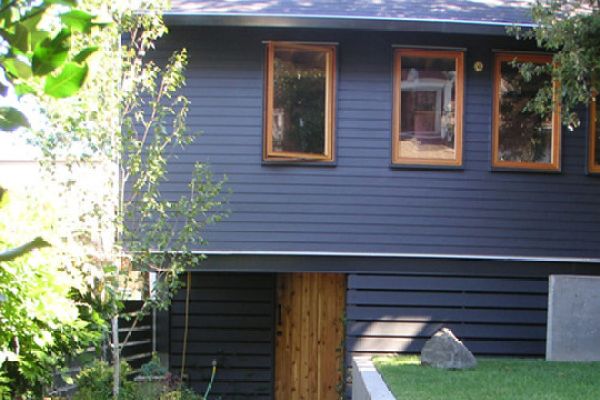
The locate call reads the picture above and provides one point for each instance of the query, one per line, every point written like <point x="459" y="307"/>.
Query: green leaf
<point x="68" y="82"/>
<point x="50" y="54"/>
<point x="84" y="54"/>
<point x="72" y="3"/>
<point x="11" y="119"/>
<point x="23" y="88"/>
<point x="77" y="20"/>
<point x="7" y="16"/>
<point x="37" y="36"/>
<point x="20" y="38"/>
<point x="33" y="18"/>
<point x="17" y="68"/>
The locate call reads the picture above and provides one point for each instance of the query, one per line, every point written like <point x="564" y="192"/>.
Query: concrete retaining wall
<point x="573" y="318"/>
<point x="367" y="384"/>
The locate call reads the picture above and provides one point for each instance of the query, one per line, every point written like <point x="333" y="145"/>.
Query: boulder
<point x="445" y="351"/>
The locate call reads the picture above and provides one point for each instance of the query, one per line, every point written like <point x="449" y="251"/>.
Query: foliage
<point x="95" y="383"/>
<point x="124" y="126"/>
<point x="42" y="319"/>
<point x="182" y="393"/>
<point x="130" y="114"/>
<point x="499" y="378"/>
<point x="43" y="322"/>
<point x="106" y="149"/>
<point x="153" y="368"/>
<point x="37" y="52"/>
<point x="570" y="29"/>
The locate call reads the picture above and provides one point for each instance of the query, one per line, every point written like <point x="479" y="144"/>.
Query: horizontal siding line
<point x="199" y="314"/>
<point x="232" y="243"/>
<point x="273" y="243"/>
<point x="434" y="322"/>
<point x="448" y="275"/>
<point x="462" y="199"/>
<point x="440" y="175"/>
<point x="236" y="368"/>
<point x="240" y="215"/>
<point x="359" y="276"/>
<point x="462" y="338"/>
<point x="216" y="353"/>
<point x="177" y="182"/>
<point x="400" y="227"/>
<point x="453" y="291"/>
<point x="397" y="222"/>
<point x="442" y="194"/>
<point x="215" y="341"/>
<point x="445" y="307"/>
<point x="428" y="230"/>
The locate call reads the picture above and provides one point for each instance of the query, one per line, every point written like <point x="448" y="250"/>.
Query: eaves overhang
<point x="494" y="28"/>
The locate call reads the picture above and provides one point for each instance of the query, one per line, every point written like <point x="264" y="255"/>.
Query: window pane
<point x="299" y="101"/>
<point x="524" y="136"/>
<point x="427" y="108"/>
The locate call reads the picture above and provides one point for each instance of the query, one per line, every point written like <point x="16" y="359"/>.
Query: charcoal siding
<point x="361" y="204"/>
<point x="231" y="321"/>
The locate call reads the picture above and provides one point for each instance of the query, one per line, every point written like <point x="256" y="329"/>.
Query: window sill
<point x="299" y="163"/>
<point x="427" y="167"/>
<point x="549" y="170"/>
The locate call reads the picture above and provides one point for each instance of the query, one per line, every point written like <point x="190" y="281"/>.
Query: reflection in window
<point x="428" y="107"/>
<point x="594" y="145"/>
<point x="522" y="138"/>
<point x="299" y="102"/>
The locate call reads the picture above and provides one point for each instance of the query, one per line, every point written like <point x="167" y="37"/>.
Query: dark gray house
<point x="385" y="183"/>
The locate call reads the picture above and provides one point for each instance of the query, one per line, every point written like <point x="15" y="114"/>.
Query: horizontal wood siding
<point x="361" y="204"/>
<point x="494" y="315"/>
<point x="139" y="347"/>
<point x="230" y="321"/>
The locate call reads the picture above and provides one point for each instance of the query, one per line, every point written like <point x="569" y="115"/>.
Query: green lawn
<point x="493" y="379"/>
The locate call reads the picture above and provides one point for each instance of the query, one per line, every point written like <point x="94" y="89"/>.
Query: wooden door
<point x="310" y="334"/>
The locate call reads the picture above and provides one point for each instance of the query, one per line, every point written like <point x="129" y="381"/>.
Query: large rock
<point x="445" y="351"/>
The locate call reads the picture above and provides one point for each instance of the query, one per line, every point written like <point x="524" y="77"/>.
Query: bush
<point x="153" y="368"/>
<point x="95" y="383"/>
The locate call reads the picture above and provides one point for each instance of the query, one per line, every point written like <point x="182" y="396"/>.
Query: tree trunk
<point x="116" y="357"/>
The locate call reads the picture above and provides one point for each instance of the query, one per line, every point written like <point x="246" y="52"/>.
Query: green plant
<point x="124" y="125"/>
<point x="37" y="56"/>
<point x="570" y="29"/>
<point x="95" y="382"/>
<point x="153" y="368"/>
<point x="42" y="320"/>
<point x="182" y="393"/>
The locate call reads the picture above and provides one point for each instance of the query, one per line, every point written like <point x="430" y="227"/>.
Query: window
<point x="594" y="145"/>
<point x="299" y="116"/>
<point x="522" y="139"/>
<point x="428" y="104"/>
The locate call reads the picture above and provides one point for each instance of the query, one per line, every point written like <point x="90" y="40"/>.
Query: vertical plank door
<point x="310" y="335"/>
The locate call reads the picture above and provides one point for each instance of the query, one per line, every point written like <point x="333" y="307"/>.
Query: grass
<point x="493" y="379"/>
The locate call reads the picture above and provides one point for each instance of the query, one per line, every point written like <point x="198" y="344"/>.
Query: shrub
<point x="95" y="383"/>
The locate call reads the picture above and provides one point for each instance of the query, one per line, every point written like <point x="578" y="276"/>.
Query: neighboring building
<point x="385" y="184"/>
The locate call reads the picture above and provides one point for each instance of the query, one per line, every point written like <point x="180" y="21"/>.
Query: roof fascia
<point x="336" y="22"/>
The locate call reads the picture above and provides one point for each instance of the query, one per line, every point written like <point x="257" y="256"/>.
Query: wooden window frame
<point x="458" y="57"/>
<point x="554" y="164"/>
<point x="593" y="166"/>
<point x="330" y="83"/>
